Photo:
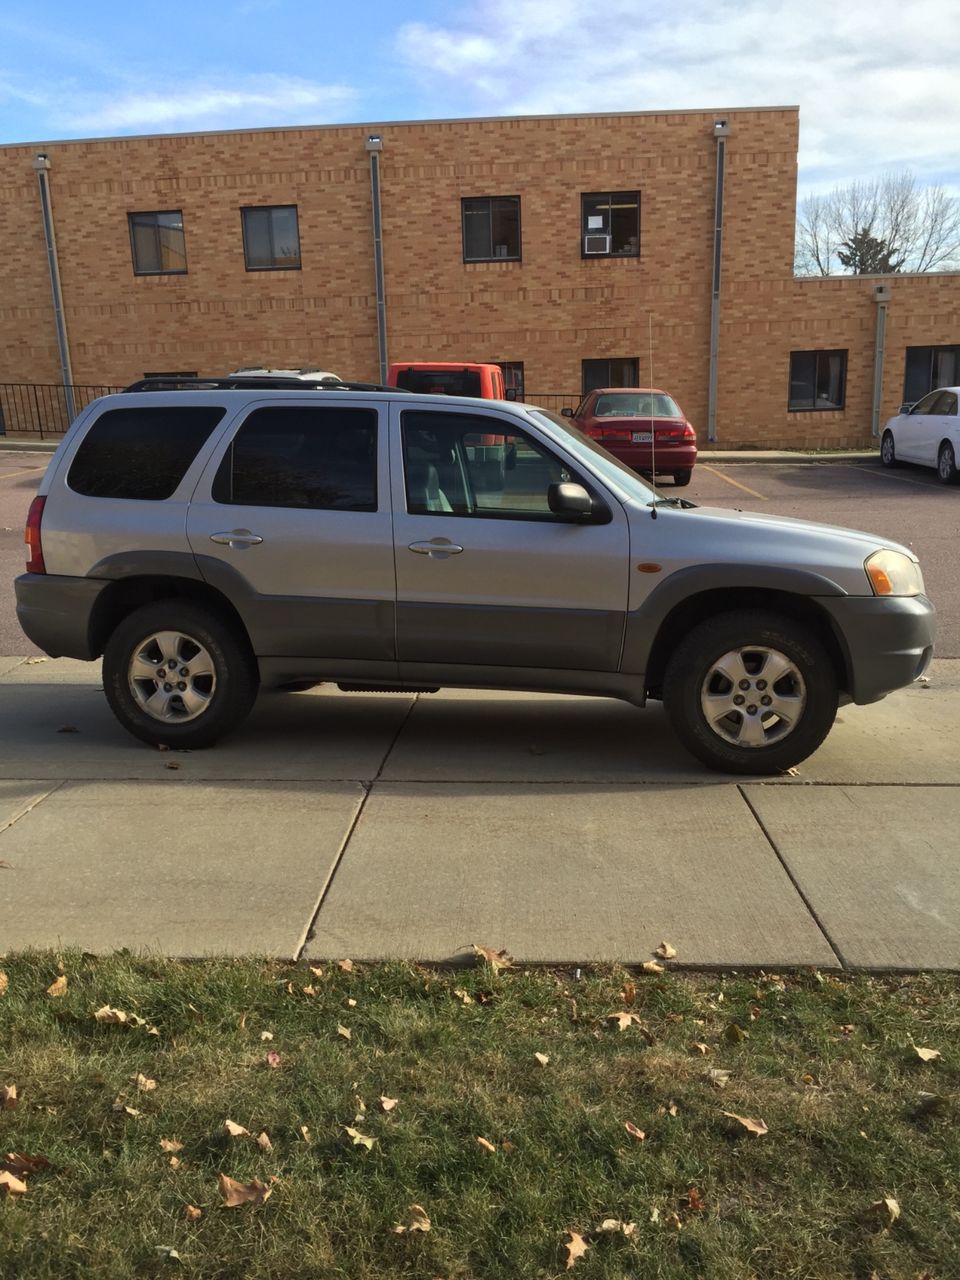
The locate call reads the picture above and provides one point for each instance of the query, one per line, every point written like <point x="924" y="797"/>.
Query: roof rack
<point x="243" y="382"/>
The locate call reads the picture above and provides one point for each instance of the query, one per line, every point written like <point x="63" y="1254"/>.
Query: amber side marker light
<point x="649" y="567"/>
<point x="881" y="582"/>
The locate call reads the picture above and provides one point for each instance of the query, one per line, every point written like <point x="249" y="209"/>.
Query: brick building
<point x="578" y="250"/>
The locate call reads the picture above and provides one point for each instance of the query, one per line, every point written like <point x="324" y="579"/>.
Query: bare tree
<point x="909" y="228"/>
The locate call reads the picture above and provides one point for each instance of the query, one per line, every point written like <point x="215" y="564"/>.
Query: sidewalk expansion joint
<point x="348" y="835"/>
<point x="814" y="915"/>
<point x="29" y="808"/>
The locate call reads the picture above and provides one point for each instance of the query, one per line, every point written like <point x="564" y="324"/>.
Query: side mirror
<point x="570" y="500"/>
<point x="510" y="393"/>
<point x="906" y="406"/>
<point x="567" y="412"/>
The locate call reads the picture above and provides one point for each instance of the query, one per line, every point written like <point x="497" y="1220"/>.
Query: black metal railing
<point x="555" y="400"/>
<point x="42" y="409"/>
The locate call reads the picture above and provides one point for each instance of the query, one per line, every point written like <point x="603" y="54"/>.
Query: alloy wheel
<point x="172" y="677"/>
<point x="753" y="696"/>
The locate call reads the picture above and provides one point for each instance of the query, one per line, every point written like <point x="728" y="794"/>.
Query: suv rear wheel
<point x="751" y="692"/>
<point x="177" y="675"/>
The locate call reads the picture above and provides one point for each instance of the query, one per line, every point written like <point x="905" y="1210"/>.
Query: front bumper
<point x="56" y="612"/>
<point x="887" y="641"/>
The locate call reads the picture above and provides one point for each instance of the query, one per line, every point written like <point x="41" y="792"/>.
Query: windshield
<point x="605" y="464"/>
<point x="635" y="404"/>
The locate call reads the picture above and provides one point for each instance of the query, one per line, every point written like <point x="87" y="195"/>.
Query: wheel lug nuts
<point x="167" y="688"/>
<point x="752" y="709"/>
<point x="738" y="700"/>
<point x="766" y="700"/>
<point x="744" y="684"/>
<point x="181" y="686"/>
<point x="184" y="671"/>
<point x="761" y="684"/>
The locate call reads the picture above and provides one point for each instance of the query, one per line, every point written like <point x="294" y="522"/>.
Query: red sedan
<point x="642" y="426"/>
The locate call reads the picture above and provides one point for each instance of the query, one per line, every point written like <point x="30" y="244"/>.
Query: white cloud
<point x="875" y="79"/>
<point x="241" y="101"/>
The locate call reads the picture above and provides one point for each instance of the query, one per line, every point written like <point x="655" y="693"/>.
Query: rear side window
<point x="298" y="456"/>
<point x="446" y="382"/>
<point x="141" y="453"/>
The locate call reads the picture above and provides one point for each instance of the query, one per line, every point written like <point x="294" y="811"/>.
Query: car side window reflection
<point x="467" y="464"/>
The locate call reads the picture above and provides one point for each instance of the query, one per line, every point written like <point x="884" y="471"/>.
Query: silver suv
<point x="208" y="542"/>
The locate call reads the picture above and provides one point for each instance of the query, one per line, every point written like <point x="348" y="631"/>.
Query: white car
<point x="927" y="432"/>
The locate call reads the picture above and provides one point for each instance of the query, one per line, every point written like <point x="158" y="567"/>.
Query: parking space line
<point x="746" y="488"/>
<point x="9" y="475"/>
<point x="886" y="475"/>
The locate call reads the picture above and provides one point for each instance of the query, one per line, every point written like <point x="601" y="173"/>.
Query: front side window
<point x="817" y="380"/>
<point x="271" y="238"/>
<point x="299" y="456"/>
<point x="928" y="368"/>
<point x="472" y="465"/>
<point x="141" y="453"/>
<point x="618" y="372"/>
<point x="157" y="243"/>
<point x="491" y="228"/>
<point x="610" y="224"/>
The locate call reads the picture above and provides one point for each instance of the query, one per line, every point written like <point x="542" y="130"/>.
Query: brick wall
<point x="551" y="310"/>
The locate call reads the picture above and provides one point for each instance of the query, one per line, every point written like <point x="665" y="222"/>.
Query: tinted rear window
<point x="141" y="453"/>
<point x="447" y="382"/>
<point x="293" y="456"/>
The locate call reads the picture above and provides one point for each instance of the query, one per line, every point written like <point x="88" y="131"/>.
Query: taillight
<point x="31" y="537"/>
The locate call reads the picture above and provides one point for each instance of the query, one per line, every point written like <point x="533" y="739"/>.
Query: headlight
<point x="891" y="573"/>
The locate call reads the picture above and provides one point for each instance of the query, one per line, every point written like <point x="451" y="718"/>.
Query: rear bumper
<point x="665" y="459"/>
<point x="55" y="613"/>
<point x="887" y="641"/>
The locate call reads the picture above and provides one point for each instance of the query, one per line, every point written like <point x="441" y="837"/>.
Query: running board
<point x="356" y="687"/>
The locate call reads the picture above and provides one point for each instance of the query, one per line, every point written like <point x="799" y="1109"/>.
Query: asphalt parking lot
<point x="908" y="505"/>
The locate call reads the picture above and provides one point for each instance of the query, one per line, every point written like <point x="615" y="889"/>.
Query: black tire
<point x="230" y="690"/>
<point x="888" y="450"/>
<point x="681" y="478"/>
<point x="947" y="464"/>
<point x="809" y="681"/>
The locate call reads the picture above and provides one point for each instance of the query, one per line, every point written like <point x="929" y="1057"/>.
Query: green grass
<point x="841" y="1106"/>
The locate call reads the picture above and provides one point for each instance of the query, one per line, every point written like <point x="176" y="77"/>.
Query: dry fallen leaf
<point x="304" y="1133"/>
<point x="346" y="965"/>
<point x="693" y="1201"/>
<point x="171" y="1144"/>
<point x="672" y="1220"/>
<point x="235" y="1130"/>
<point x="487" y="1146"/>
<point x="33" y="661"/>
<point x="192" y="1213"/>
<point x="887" y="1210"/>
<point x="629" y="993"/>
<point x="119" y="1018"/>
<point x="463" y="996"/>
<point x="614" y="1224"/>
<point x="238" y="1193"/>
<point x="624" y="1019"/>
<point x="344" y="1031"/>
<point x="266" y="1035"/>
<point x="120" y="1105"/>
<point x="316" y="971"/>
<point x="58" y="987"/>
<point x="8" y="1097"/>
<point x="665" y="951"/>
<point x="928" y="1104"/>
<point x="11" y="1185"/>
<point x="651" y="966"/>
<point x="309" y="991"/>
<point x="927" y="1055"/>
<point x="4" y="983"/>
<point x="697" y="1046"/>
<point x="718" y="1076"/>
<point x="144" y="1083"/>
<point x="388" y="1103"/>
<point x="734" y="1033"/>
<point x="359" y="1139"/>
<point x="756" y="1127"/>
<point x="576" y="1247"/>
<point x="174" y="1162"/>
<point x="263" y="1142"/>
<point x="417" y="1220"/>
<point x="634" y="1131"/>
<point x="497" y="960"/>
<point x="542" y="1059"/>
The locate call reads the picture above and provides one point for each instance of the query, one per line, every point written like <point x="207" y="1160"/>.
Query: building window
<point x="928" y="368"/>
<point x="491" y="229"/>
<point x="817" y="379"/>
<point x="619" y="372"/>
<point x="158" y="243"/>
<point x="513" y="377"/>
<point x="610" y="224"/>
<point x="271" y="238"/>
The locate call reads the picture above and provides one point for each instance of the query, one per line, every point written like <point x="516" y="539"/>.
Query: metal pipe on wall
<point x="42" y="167"/>
<point x="721" y="129"/>
<point x="374" y="147"/>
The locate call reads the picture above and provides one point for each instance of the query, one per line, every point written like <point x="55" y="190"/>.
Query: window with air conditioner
<point x="610" y="224"/>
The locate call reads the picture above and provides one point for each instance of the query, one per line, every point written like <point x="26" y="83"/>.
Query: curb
<point x="27" y="446"/>
<point x="783" y="456"/>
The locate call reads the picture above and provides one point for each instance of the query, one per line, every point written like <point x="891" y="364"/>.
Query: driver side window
<point x="468" y="464"/>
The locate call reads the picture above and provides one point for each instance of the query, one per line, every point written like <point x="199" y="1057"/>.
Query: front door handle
<point x="436" y="548"/>
<point x="237" y="538"/>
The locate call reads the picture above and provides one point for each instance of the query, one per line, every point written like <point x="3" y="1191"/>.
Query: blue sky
<point x="876" y="80"/>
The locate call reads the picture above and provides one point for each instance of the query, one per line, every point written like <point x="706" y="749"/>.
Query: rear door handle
<point x="436" y="548"/>
<point x="237" y="538"/>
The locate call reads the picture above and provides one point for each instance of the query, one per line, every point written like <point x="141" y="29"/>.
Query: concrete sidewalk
<point x="563" y="829"/>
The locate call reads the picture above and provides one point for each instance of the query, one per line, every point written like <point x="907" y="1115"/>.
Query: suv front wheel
<point x="751" y="692"/>
<point x="177" y="675"/>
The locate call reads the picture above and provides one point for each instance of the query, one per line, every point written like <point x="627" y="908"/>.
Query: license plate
<point x="642" y="437"/>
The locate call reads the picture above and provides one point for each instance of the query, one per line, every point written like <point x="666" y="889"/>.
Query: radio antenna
<point x="653" y="430"/>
